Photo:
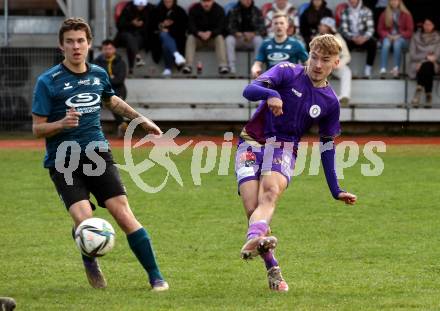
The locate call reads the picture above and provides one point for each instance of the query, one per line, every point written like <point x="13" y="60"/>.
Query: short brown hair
<point x="74" y="23"/>
<point x="327" y="43"/>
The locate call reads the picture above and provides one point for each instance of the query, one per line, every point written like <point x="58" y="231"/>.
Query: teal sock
<point x="140" y="244"/>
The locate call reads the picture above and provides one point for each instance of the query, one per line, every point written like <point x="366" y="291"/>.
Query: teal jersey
<point x="59" y="89"/>
<point x="272" y="53"/>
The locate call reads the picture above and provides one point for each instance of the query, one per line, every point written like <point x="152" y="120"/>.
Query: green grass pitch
<point x="382" y="254"/>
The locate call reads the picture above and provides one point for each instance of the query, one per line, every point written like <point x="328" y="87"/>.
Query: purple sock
<point x="269" y="260"/>
<point x="257" y="229"/>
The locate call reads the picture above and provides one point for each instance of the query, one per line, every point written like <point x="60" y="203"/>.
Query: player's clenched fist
<point x="71" y="119"/>
<point x="151" y="127"/>
<point x="275" y="105"/>
<point x="347" y="197"/>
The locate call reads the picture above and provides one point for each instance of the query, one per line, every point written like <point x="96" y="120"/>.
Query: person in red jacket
<point x="395" y="29"/>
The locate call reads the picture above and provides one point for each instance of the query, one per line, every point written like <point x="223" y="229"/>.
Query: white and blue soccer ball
<point x="95" y="237"/>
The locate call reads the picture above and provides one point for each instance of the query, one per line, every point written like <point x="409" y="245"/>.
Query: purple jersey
<point x="303" y="106"/>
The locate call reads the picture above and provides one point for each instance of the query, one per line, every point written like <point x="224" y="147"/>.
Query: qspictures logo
<point x="209" y="157"/>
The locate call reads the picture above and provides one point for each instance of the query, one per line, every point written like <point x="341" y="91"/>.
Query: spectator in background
<point x="172" y="23"/>
<point x="420" y="9"/>
<point x="357" y="28"/>
<point x="293" y="33"/>
<point x="283" y="7"/>
<point x="395" y="29"/>
<point x="377" y="7"/>
<point x="117" y="71"/>
<point x="135" y="30"/>
<point x="279" y="48"/>
<point x="342" y="71"/>
<point x="245" y="26"/>
<point x="424" y="54"/>
<point x="310" y="19"/>
<point x="206" y="26"/>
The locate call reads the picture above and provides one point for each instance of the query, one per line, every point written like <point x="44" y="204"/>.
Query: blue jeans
<point x="397" y="45"/>
<point x="169" y="47"/>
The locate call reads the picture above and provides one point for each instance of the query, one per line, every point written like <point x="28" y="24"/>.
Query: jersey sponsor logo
<point x="248" y="158"/>
<point x="84" y="82"/>
<point x="315" y="111"/>
<point x="83" y="100"/>
<point x="278" y="56"/>
<point x="67" y="86"/>
<point x="96" y="81"/>
<point x="297" y="93"/>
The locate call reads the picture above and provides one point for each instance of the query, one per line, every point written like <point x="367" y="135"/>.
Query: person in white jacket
<point x="343" y="71"/>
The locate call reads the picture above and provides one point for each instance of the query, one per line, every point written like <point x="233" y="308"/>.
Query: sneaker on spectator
<point x="395" y="72"/>
<point x="367" y="72"/>
<point x="417" y="96"/>
<point x="187" y="69"/>
<point x="383" y="72"/>
<point x="139" y="61"/>
<point x="166" y="73"/>
<point x="223" y="70"/>
<point x="232" y="70"/>
<point x="179" y="59"/>
<point x="428" y="100"/>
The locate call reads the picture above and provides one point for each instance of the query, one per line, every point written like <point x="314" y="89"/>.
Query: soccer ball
<point x="95" y="237"/>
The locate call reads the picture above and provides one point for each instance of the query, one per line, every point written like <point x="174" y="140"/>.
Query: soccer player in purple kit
<point x="293" y="98"/>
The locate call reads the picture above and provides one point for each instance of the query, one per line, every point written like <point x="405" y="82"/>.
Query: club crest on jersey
<point x="96" y="81"/>
<point x="315" y="111"/>
<point x="83" y="100"/>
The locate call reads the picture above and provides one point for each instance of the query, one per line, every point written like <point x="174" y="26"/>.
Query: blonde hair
<point x="327" y="43"/>
<point x="389" y="13"/>
<point x="280" y="14"/>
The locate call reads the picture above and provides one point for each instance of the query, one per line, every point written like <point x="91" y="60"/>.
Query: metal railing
<point x="19" y="68"/>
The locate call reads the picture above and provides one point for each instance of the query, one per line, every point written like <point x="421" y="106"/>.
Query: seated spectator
<point x="172" y="23"/>
<point x="310" y="19"/>
<point x="245" y="26"/>
<point x="377" y="7"/>
<point x="206" y="26"/>
<point x="135" y="30"/>
<point x="279" y="48"/>
<point x="395" y="29"/>
<point x="283" y="7"/>
<point x="343" y="72"/>
<point x="357" y="28"/>
<point x="117" y="71"/>
<point x="293" y="33"/>
<point x="424" y="54"/>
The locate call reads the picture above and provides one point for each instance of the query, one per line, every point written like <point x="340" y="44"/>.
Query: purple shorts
<point x="251" y="162"/>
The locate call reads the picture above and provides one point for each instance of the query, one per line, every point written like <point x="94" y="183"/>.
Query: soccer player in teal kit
<point x="293" y="98"/>
<point x="66" y="108"/>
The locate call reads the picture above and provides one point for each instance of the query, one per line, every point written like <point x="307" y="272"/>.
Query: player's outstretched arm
<point x="328" y="163"/>
<point x="120" y="107"/>
<point x="42" y="128"/>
